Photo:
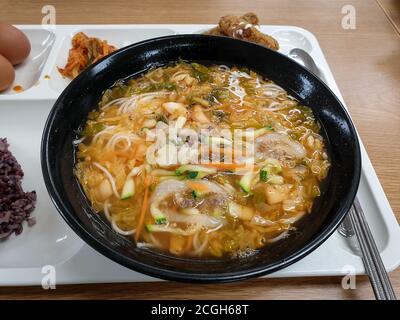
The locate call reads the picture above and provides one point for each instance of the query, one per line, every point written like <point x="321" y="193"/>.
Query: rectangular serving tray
<point x="52" y="242"/>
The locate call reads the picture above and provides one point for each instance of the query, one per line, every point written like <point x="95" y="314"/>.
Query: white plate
<point x="51" y="241"/>
<point x="27" y="73"/>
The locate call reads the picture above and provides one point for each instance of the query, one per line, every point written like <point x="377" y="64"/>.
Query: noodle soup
<point x="162" y="158"/>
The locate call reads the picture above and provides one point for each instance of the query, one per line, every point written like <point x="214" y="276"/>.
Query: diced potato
<point x="180" y="122"/>
<point x="175" y="108"/>
<point x="239" y="211"/>
<point x="276" y="193"/>
<point x="275" y="179"/>
<point x="105" y="190"/>
<point x="189" y="80"/>
<point x="149" y="123"/>
<point x="201" y="101"/>
<point x="177" y="244"/>
<point x="199" y="115"/>
<point x="93" y="178"/>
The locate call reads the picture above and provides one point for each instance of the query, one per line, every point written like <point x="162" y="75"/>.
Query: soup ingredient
<point x="244" y="27"/>
<point x="7" y="74"/>
<point x="14" y="44"/>
<point x="16" y="205"/>
<point x="246" y="181"/>
<point x="143" y="210"/>
<point x="280" y="146"/>
<point x="84" y="52"/>
<point x="175" y="194"/>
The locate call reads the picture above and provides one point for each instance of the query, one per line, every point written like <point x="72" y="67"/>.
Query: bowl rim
<point x="169" y="274"/>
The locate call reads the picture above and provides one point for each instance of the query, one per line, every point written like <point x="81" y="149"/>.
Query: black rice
<point x="16" y="205"/>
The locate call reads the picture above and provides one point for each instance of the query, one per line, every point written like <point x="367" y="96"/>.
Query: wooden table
<point x="365" y="63"/>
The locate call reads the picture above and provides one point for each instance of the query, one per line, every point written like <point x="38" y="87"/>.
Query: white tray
<point x="51" y="242"/>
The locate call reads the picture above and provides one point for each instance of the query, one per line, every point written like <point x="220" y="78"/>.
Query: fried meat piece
<point x="244" y="28"/>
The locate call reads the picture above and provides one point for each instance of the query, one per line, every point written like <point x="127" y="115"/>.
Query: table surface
<point x="365" y="63"/>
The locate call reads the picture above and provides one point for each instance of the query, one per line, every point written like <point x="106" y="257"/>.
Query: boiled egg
<point x="7" y="73"/>
<point x="14" y="44"/>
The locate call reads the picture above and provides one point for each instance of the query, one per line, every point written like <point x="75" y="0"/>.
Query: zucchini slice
<point x="129" y="189"/>
<point x="246" y="181"/>
<point x="195" y="168"/>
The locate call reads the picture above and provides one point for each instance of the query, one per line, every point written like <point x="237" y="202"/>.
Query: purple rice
<point x="16" y="205"/>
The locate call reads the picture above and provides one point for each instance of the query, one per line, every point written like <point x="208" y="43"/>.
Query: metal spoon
<point x="302" y="57"/>
<point x="355" y="222"/>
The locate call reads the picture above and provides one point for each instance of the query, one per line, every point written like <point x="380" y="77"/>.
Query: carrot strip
<point x="197" y="186"/>
<point x="110" y="156"/>
<point x="111" y="119"/>
<point x="133" y="151"/>
<point x="224" y="166"/>
<point x="143" y="210"/>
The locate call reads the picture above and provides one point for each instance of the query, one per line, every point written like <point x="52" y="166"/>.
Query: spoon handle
<point x="373" y="264"/>
<point x="355" y="222"/>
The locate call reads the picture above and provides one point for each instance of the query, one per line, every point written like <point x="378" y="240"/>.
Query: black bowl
<point x="82" y="95"/>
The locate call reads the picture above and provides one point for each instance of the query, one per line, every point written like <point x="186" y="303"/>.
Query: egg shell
<point x="14" y="44"/>
<point x="7" y="73"/>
